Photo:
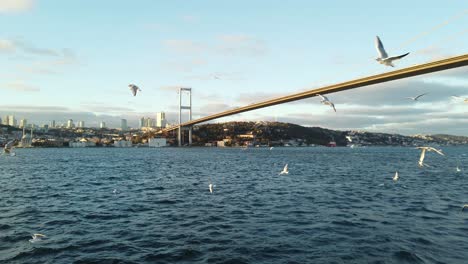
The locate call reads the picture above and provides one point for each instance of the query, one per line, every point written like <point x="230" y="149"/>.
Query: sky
<point x="75" y="59"/>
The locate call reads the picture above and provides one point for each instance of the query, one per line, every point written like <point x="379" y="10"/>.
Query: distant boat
<point x="331" y="144"/>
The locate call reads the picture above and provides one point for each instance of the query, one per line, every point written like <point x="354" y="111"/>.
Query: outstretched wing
<point x="380" y="48"/>
<point x="333" y="105"/>
<point x="416" y="98"/>
<point x="397" y="57"/>
<point x="324" y="98"/>
<point x="423" y="154"/>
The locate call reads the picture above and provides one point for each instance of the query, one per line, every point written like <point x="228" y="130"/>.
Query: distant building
<point x="82" y="143"/>
<point x="81" y="124"/>
<point x="103" y="124"/>
<point x="11" y="121"/>
<point x="123" y="143"/>
<point x="23" y="123"/>
<point x="142" y="122"/>
<point x="26" y="139"/>
<point x="1" y="123"/>
<point x="70" y="123"/>
<point x="161" y="119"/>
<point x="123" y="125"/>
<point x="157" y="142"/>
<point x="52" y="124"/>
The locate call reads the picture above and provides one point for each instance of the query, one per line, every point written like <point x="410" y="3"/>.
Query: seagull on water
<point x="458" y="169"/>
<point x="423" y="153"/>
<point x="464" y="206"/>
<point x="383" y="57"/>
<point x="134" y="89"/>
<point x="325" y="101"/>
<point x="271" y="148"/>
<point x="416" y="98"/>
<point x="211" y="186"/>
<point x="395" y="178"/>
<point x="285" y="170"/>
<point x="36" y="238"/>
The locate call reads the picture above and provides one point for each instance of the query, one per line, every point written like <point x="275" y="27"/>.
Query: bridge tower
<point x="185" y="107"/>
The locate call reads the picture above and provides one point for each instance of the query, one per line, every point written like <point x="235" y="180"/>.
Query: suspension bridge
<point x="434" y="66"/>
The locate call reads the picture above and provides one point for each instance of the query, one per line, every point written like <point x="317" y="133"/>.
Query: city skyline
<point x="79" y="68"/>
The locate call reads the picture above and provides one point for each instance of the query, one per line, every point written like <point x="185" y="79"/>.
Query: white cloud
<point x="241" y="44"/>
<point x="7" y="6"/>
<point x="20" y="86"/>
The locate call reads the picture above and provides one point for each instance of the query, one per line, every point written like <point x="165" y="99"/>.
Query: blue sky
<point x="74" y="59"/>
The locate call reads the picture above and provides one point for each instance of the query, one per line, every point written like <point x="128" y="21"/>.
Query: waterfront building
<point x="23" y="123"/>
<point x="157" y="142"/>
<point x="52" y="124"/>
<point x="26" y="139"/>
<point x="70" y="123"/>
<point x="102" y="125"/>
<point x="161" y="120"/>
<point x="1" y="123"/>
<point x="123" y="125"/>
<point x="81" y="124"/>
<point x="123" y="143"/>
<point x="82" y="143"/>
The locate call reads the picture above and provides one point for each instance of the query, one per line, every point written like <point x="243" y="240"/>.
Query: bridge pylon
<point x="184" y="107"/>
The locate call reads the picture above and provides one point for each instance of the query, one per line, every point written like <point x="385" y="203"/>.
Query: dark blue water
<point x="337" y="205"/>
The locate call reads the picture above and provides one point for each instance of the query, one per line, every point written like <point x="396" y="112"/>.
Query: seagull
<point x="285" y="170"/>
<point x="271" y="148"/>
<point x="8" y="147"/>
<point x="416" y="98"/>
<point x="383" y="57"/>
<point x="395" y="178"/>
<point x="458" y="97"/>
<point x="464" y="206"/>
<point x="423" y="153"/>
<point x="210" y="186"/>
<point x="36" y="238"/>
<point x="458" y="169"/>
<point x="134" y="89"/>
<point x="325" y="101"/>
<point x="114" y="191"/>
<point x="349" y="138"/>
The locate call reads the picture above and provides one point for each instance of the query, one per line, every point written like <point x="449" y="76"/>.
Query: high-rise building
<point x="81" y="124"/>
<point x="12" y="121"/>
<point x="103" y="124"/>
<point x="5" y="120"/>
<point x="123" y="125"/>
<point x="161" y="119"/>
<point x="142" y="122"/>
<point x="1" y="123"/>
<point x="52" y="123"/>
<point x="70" y="123"/>
<point x="23" y="123"/>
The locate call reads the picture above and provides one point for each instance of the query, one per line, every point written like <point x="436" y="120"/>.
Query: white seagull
<point x="285" y="170"/>
<point x="8" y="147"/>
<point x="395" y="178"/>
<point x="36" y="238"/>
<point x="464" y="206"/>
<point x="416" y="98"/>
<point x="458" y="169"/>
<point x="271" y="148"/>
<point x="383" y="57"/>
<point x="325" y="101"/>
<point x="210" y="186"/>
<point x="423" y="153"/>
<point x="458" y="97"/>
<point x="134" y="89"/>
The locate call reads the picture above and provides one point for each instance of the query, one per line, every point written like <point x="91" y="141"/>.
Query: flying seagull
<point x="36" y="238"/>
<point x="458" y="97"/>
<point x="416" y="98"/>
<point x="8" y="147"/>
<point x="325" y="101"/>
<point x="285" y="170"/>
<point x="395" y="178"/>
<point x="423" y="153"/>
<point x="134" y="89"/>
<point x="383" y="57"/>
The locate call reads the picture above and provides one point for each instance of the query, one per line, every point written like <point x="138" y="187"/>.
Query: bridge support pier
<point x="186" y="107"/>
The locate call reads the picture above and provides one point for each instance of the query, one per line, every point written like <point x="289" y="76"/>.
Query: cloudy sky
<point x="74" y="59"/>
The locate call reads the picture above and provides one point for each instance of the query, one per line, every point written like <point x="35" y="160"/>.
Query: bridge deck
<point x="420" y="69"/>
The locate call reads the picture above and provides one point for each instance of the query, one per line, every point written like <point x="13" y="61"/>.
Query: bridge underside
<point x="420" y="69"/>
